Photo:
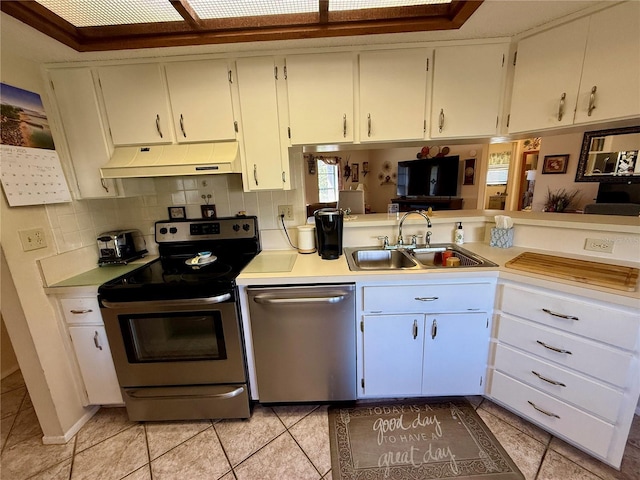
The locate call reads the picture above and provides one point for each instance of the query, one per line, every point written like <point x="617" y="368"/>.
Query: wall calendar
<point x="30" y="169"/>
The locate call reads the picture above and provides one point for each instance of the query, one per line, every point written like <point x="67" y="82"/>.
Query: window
<point x="327" y="182"/>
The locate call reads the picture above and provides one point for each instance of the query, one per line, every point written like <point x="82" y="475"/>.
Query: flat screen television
<point x="428" y="177"/>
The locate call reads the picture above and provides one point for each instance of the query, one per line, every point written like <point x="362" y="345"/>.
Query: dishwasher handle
<point x="267" y="299"/>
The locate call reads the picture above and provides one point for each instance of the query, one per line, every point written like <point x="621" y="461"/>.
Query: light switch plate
<point x="32" y="239"/>
<point x="599" y="245"/>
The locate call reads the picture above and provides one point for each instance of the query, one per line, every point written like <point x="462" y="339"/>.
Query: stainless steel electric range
<point x="174" y="325"/>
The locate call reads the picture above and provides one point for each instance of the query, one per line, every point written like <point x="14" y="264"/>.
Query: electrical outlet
<point x="32" y="239"/>
<point x="598" y="245"/>
<point x="286" y="210"/>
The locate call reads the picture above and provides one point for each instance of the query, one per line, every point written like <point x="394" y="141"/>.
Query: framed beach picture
<point x="555" y="164"/>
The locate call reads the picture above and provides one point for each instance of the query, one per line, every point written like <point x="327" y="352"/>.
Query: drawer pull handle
<point x="81" y="312"/>
<point x="552" y="382"/>
<point x="555" y="349"/>
<point x="426" y="299"/>
<point x="560" y="315"/>
<point x="549" y="414"/>
<point x="96" y="342"/>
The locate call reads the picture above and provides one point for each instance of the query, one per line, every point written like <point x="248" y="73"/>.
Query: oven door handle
<point x="233" y="393"/>
<point x="169" y="303"/>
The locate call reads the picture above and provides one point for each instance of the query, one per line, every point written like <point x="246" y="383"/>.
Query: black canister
<point x="329" y="223"/>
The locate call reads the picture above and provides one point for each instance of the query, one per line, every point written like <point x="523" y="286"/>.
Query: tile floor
<point x="277" y="443"/>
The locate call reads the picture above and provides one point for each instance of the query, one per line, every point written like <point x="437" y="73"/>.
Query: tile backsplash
<point x="77" y="224"/>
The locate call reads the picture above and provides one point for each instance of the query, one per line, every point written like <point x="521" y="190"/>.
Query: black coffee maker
<point x="329" y="223"/>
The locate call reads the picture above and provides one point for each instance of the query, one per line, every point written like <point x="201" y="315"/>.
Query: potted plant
<point x="560" y="200"/>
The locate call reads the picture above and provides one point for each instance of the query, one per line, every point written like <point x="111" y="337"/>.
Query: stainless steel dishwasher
<point x="304" y="341"/>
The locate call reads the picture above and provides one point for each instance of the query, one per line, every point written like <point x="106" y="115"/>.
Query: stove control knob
<point x="236" y="227"/>
<point x="163" y="230"/>
<point x="173" y="230"/>
<point x="246" y="227"/>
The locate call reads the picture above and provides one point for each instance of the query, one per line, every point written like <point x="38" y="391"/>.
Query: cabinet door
<point x="137" y="104"/>
<point x="393" y="85"/>
<point x="320" y="91"/>
<point x="77" y="104"/>
<point x="265" y="160"/>
<point x="611" y="66"/>
<point x="392" y="354"/>
<point x="547" y="77"/>
<point x="456" y="348"/>
<point x="467" y="90"/>
<point x="96" y="365"/>
<point x="201" y="101"/>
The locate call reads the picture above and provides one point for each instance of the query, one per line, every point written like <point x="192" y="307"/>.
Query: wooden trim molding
<point x="197" y="31"/>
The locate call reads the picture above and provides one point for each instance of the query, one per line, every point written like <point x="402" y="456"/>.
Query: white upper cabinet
<point x="610" y="85"/>
<point x="320" y="93"/>
<point x="393" y="86"/>
<point x="200" y="97"/>
<point x="468" y="84"/>
<point x="583" y="72"/>
<point x="77" y="104"/>
<point x="265" y="159"/>
<point x="137" y="105"/>
<point x="547" y="77"/>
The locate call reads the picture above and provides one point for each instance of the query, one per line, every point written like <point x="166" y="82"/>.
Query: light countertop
<point x="310" y="268"/>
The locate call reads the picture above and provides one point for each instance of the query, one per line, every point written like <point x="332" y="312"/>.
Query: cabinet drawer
<point x="81" y="310"/>
<point x="597" y="360"/>
<point x="610" y="325"/>
<point x="567" y="421"/>
<point x="429" y="298"/>
<point x="570" y="387"/>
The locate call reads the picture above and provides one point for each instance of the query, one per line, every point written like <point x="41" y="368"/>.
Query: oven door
<point x="175" y="342"/>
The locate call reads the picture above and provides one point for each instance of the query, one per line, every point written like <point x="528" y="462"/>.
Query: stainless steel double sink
<point x="378" y="258"/>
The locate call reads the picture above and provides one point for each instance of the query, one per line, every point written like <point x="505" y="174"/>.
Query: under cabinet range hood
<point x="173" y="160"/>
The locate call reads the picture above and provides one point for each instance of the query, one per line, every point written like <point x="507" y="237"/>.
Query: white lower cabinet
<point x="416" y="342"/>
<point x="96" y="365"/>
<point x="568" y="364"/>
<point x="91" y="349"/>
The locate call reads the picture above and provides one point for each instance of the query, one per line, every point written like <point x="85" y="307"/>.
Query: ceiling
<point x="100" y="25"/>
<point x="491" y="19"/>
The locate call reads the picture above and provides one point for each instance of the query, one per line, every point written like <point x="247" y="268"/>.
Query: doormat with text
<point x="415" y="440"/>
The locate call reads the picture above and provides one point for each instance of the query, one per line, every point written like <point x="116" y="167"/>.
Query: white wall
<point x="560" y="145"/>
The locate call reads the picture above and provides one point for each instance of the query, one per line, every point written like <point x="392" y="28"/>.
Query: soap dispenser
<point x="458" y="236"/>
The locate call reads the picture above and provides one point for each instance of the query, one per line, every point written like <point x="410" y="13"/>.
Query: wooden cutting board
<point x="592" y="273"/>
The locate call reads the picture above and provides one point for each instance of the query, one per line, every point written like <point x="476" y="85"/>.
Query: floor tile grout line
<point x="175" y="446"/>
<point x="110" y="436"/>
<point x="146" y="442"/>
<point x="306" y="455"/>
<point x="224" y="450"/>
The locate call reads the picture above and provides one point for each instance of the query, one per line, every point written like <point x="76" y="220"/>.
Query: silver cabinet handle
<point x="552" y="382"/>
<point x="284" y="177"/>
<point x="255" y="174"/>
<point x="592" y="100"/>
<point x="104" y="185"/>
<point x="96" y="342"/>
<point x="415" y="329"/>
<point x="184" y="134"/>
<point x="549" y="414"/>
<point x="555" y="349"/>
<point x="425" y="299"/>
<point x="344" y="125"/>
<point x="158" y="126"/>
<point x="81" y="312"/>
<point x="434" y="329"/>
<point x="230" y="76"/>
<point x="275" y="71"/>
<point x="441" y="120"/>
<point x="369" y="125"/>
<point x="560" y="315"/>
<point x="561" y="107"/>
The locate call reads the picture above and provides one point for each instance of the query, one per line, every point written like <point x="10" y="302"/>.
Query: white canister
<point x="306" y="239"/>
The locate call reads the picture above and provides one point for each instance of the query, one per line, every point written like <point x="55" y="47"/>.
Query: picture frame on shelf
<point x="355" y="173"/>
<point x="177" y="213"/>
<point x="555" y="164"/>
<point x="208" y="211"/>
